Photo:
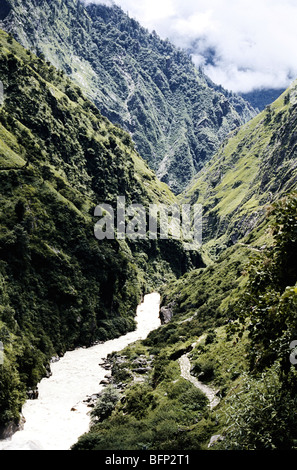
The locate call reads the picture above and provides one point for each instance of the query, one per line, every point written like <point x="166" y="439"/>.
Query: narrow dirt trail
<point x="185" y="367"/>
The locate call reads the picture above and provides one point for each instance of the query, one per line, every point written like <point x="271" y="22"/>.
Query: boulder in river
<point x="11" y="428"/>
<point x="166" y="313"/>
<point x="32" y="394"/>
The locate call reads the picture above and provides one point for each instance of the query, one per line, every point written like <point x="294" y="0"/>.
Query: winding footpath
<point x="185" y="367"/>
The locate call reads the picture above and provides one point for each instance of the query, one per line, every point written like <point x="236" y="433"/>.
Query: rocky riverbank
<point x="60" y="415"/>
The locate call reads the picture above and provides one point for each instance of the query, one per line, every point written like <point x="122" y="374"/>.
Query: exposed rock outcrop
<point x="32" y="394"/>
<point x="215" y="439"/>
<point x="11" y="428"/>
<point x="166" y="313"/>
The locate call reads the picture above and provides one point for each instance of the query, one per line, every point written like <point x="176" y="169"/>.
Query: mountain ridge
<point x="176" y="116"/>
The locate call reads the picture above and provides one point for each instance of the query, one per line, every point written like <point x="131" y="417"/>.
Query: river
<point x="59" y="416"/>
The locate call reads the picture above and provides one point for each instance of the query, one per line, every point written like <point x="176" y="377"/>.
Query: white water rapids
<point x="50" y="422"/>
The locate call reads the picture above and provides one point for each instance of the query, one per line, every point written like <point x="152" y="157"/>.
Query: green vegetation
<point x="176" y="116"/>
<point x="105" y="404"/>
<point x="268" y="394"/>
<point x="259" y="99"/>
<point x="245" y="359"/>
<point x="60" y="287"/>
<point x="152" y="414"/>
<point x="234" y="305"/>
<point x="236" y="317"/>
<point x="270" y="298"/>
<point x="253" y="168"/>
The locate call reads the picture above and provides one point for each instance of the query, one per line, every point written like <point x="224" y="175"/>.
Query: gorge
<point x="94" y="108"/>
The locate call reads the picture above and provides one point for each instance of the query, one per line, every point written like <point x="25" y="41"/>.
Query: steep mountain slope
<point x="247" y="294"/>
<point x="177" y="117"/>
<point x="59" y="286"/>
<point x="253" y="168"/>
<point x="233" y="320"/>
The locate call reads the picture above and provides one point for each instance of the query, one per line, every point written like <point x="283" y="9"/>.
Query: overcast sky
<point x="255" y="41"/>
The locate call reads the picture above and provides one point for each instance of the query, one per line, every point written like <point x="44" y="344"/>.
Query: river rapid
<point x="60" y="416"/>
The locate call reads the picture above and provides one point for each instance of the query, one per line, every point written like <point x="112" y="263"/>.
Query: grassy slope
<point x="253" y="168"/>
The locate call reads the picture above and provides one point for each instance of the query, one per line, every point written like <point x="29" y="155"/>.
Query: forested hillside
<point x="176" y="116"/>
<point x="60" y="287"/>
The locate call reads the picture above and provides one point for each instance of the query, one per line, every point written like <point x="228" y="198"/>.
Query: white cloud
<point x="255" y="40"/>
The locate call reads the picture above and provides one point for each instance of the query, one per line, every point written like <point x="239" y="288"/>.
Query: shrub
<point x="204" y="370"/>
<point x="138" y="401"/>
<point x="262" y="416"/>
<point x="210" y="338"/>
<point x="105" y="404"/>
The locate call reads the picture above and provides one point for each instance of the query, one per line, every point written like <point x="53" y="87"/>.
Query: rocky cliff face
<point x="177" y="117"/>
